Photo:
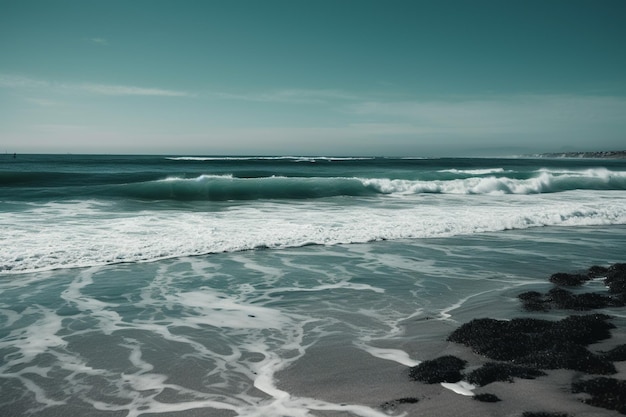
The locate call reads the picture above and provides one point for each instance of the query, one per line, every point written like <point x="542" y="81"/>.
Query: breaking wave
<point x="226" y="187"/>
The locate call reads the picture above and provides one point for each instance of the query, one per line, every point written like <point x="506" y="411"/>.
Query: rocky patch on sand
<point x="443" y="369"/>
<point x="614" y="278"/>
<point x="538" y="343"/>
<point x="528" y="347"/>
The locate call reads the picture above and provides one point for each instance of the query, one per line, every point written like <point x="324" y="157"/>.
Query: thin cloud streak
<point x="18" y="81"/>
<point x="21" y="82"/>
<point x="99" y="41"/>
<point x="523" y="113"/>
<point x="293" y="96"/>
<point x="296" y="96"/>
<point x="123" y="90"/>
<point x="43" y="102"/>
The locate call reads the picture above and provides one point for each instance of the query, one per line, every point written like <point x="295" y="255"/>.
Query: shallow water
<point x="233" y="333"/>
<point x="273" y="286"/>
<point x="64" y="211"/>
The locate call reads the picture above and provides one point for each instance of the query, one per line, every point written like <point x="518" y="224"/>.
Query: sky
<point x="319" y="77"/>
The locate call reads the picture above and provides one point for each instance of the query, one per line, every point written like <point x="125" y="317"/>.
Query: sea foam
<point x="227" y="187"/>
<point x="87" y="234"/>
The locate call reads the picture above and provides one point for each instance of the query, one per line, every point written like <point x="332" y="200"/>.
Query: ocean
<point x="274" y="286"/>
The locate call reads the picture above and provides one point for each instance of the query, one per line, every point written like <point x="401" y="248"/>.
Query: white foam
<point x="545" y="181"/>
<point x="35" y="339"/>
<point x="79" y="234"/>
<point x="394" y="355"/>
<point x="11" y="317"/>
<point x="336" y="286"/>
<point x="221" y="311"/>
<point x="266" y="158"/>
<point x="199" y="178"/>
<point x="484" y="171"/>
<point x="461" y="387"/>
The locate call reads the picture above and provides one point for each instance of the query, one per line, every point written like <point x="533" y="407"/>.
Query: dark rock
<point x="536" y="305"/>
<point x="619" y="268"/>
<point x="539" y="343"/>
<point x="617" y="287"/>
<point x="391" y="405"/>
<point x="597" y="271"/>
<point x="616" y="278"/>
<point x="563" y="299"/>
<point x="616" y="354"/>
<point x="543" y="414"/>
<point x="443" y="369"/>
<point x="530" y="295"/>
<point x="570" y="280"/>
<point x="487" y="398"/>
<point x="566" y="300"/>
<point x="607" y="393"/>
<point x="486" y="336"/>
<point x="588" y="301"/>
<point x="494" y="371"/>
<point x="583" y="330"/>
<point x="569" y="356"/>
<point x="534" y="301"/>
<point x="499" y="339"/>
<point x="560" y="297"/>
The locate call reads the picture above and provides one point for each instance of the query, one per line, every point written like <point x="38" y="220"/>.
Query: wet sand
<point x="344" y="374"/>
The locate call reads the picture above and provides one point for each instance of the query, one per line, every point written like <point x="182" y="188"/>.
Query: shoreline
<point x="358" y="378"/>
<point x="590" y="155"/>
<point x="351" y="375"/>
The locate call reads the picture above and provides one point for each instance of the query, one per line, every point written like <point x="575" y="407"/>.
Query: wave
<point x="268" y="158"/>
<point x="544" y="181"/>
<point x="474" y="171"/>
<point x="89" y="233"/>
<point x="147" y="186"/>
<point x="227" y="187"/>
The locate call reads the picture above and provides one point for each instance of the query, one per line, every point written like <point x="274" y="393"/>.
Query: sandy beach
<point x="340" y="373"/>
<point x="343" y="374"/>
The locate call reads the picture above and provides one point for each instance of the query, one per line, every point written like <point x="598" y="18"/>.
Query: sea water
<point x="223" y="286"/>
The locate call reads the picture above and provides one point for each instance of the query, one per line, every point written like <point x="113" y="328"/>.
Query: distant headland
<point x="600" y="154"/>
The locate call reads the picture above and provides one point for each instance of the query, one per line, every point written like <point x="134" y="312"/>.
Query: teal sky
<point x="338" y="77"/>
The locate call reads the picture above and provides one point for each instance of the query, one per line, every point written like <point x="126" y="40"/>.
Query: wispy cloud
<point x="42" y="102"/>
<point x="289" y="96"/>
<point x="520" y="113"/>
<point x="21" y="82"/>
<point x="124" y="90"/>
<point x="18" y="81"/>
<point x="98" y="41"/>
<point x="296" y="96"/>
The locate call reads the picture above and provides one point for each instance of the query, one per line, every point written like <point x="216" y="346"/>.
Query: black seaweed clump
<point x="616" y="279"/>
<point x="597" y="271"/>
<point x="443" y="369"/>
<point x="570" y="280"/>
<point x="560" y="298"/>
<point x="606" y="393"/>
<point x="616" y="354"/>
<point x="525" y="346"/>
<point x="564" y="299"/>
<point x="538" y="343"/>
<point x="391" y="405"/>
<point x="487" y="398"/>
<point x="534" y="301"/>
<point x="497" y="371"/>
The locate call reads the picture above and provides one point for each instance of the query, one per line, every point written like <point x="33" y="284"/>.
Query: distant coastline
<point x="599" y="154"/>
